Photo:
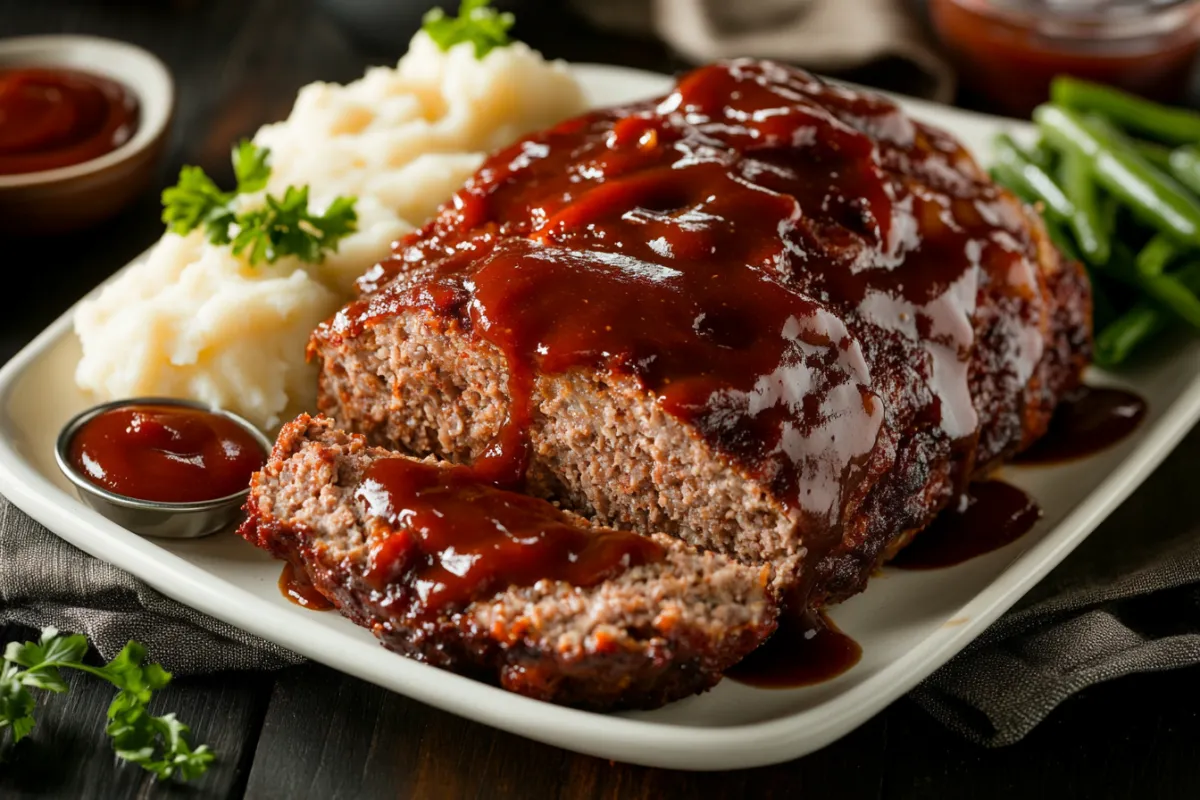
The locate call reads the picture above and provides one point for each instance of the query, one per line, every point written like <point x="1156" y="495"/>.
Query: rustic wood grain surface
<point x="312" y="732"/>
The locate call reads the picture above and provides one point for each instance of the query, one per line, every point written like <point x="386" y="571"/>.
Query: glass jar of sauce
<point x="1009" y="50"/>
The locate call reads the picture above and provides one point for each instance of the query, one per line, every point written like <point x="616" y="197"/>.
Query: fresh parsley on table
<point x="157" y="744"/>
<point x="282" y="226"/>
<point x="477" y="22"/>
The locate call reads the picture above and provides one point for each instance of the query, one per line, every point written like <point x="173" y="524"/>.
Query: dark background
<point x="312" y="732"/>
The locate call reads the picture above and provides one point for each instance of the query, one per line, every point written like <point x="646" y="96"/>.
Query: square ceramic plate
<point x="908" y="623"/>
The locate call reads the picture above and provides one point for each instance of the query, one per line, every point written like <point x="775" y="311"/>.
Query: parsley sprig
<point x="477" y="22"/>
<point x="283" y="226"/>
<point x="157" y="744"/>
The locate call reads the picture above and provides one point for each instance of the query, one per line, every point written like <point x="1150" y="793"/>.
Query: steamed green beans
<point x="1087" y="218"/>
<point x="1035" y="180"/>
<point x="1158" y="122"/>
<point x="1117" y="179"/>
<point x="1184" y="164"/>
<point x="1117" y="166"/>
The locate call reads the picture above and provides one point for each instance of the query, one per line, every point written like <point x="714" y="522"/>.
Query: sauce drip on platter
<point x="806" y="649"/>
<point x="790" y="268"/>
<point x="52" y="118"/>
<point x="295" y="585"/>
<point x="441" y="538"/>
<point x="990" y="515"/>
<point x="166" y="453"/>
<point x="1088" y="421"/>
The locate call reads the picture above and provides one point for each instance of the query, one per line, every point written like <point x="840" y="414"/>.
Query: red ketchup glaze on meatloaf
<point x="451" y="540"/>
<point x="789" y="267"/>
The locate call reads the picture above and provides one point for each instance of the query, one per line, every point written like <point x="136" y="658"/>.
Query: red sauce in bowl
<point x="52" y="118"/>
<point x="1010" y="50"/>
<point x="166" y="453"/>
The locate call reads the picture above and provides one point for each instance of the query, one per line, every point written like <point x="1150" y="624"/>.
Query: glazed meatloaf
<point x="773" y="317"/>
<point x="509" y="588"/>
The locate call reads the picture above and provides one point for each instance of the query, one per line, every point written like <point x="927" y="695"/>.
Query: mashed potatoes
<point x="195" y="321"/>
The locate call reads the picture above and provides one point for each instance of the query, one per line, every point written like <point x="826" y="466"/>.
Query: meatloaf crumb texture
<point x="652" y="634"/>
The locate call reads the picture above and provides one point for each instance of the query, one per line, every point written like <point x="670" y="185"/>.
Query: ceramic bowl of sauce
<point x="161" y="466"/>
<point x="1010" y="50"/>
<point x="83" y="125"/>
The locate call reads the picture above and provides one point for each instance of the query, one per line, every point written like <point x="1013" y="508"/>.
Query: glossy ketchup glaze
<point x="1087" y="421"/>
<point x="789" y="267"/>
<point x="989" y="516"/>
<point x="806" y="648"/>
<point x="51" y="118"/>
<point x="295" y="585"/>
<point x="442" y="538"/>
<point x="166" y="453"/>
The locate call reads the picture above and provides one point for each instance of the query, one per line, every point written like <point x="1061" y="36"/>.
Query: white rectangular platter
<point x="908" y="623"/>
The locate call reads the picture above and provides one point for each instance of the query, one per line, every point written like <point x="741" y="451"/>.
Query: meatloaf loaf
<point x="773" y="317"/>
<point x="553" y="608"/>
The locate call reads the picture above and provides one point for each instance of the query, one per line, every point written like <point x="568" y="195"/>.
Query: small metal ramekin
<point x="152" y="517"/>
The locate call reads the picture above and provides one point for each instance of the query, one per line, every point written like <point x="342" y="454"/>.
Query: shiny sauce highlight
<point x="52" y="118"/>
<point x="441" y="538"/>
<point x="990" y="515"/>
<point x="754" y="251"/>
<point x="297" y="587"/>
<point x="1086" y="422"/>
<point x="166" y="453"/>
<point x="806" y="649"/>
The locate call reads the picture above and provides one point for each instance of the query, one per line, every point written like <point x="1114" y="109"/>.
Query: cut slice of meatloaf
<point x="660" y="628"/>
<point x="774" y="317"/>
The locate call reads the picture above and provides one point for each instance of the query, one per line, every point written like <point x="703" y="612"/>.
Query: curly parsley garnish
<point x="477" y="23"/>
<point x="281" y="227"/>
<point x="156" y="744"/>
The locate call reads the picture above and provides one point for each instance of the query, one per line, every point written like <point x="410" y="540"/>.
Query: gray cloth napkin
<point x="1128" y="600"/>
<point x="45" y="581"/>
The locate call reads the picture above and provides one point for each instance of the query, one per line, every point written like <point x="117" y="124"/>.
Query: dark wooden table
<point x="312" y="732"/>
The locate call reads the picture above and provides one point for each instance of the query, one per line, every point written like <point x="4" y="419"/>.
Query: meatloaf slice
<point x="652" y="633"/>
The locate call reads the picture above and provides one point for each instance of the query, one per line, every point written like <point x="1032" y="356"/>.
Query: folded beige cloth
<point x="823" y="35"/>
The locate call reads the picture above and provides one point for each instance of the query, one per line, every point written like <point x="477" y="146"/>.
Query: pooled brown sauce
<point x="806" y="649"/>
<point x="448" y="538"/>
<point x="990" y="515"/>
<point x="296" y="587"/>
<point x="1087" y="421"/>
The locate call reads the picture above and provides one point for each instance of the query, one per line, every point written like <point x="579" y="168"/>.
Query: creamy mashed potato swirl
<point x="195" y="321"/>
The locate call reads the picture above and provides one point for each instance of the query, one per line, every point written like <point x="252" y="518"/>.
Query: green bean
<point x="1141" y="322"/>
<point x="1013" y="181"/>
<point x="1165" y="124"/>
<point x="1035" y="179"/>
<point x="1042" y="154"/>
<point x="1156" y="255"/>
<point x="1153" y="196"/>
<point x="1156" y="154"/>
<point x="1109" y="207"/>
<point x="1087" y="220"/>
<point x="1062" y="240"/>
<point x="1184" y="164"/>
<point x="1176" y="293"/>
<point x="1123" y="335"/>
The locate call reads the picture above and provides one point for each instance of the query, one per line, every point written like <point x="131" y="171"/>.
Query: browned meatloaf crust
<point x="415" y="364"/>
<point x="652" y="634"/>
